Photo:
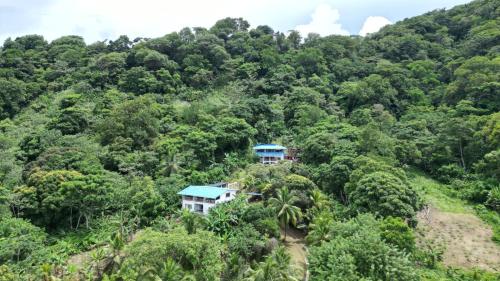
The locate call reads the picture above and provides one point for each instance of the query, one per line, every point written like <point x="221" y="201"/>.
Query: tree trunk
<point x="78" y="222"/>
<point x="71" y="217"/>
<point x="285" y="230"/>
<point x="461" y="154"/>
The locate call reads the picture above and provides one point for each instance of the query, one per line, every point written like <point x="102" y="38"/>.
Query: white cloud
<point x="324" y="21"/>
<point x="101" y="19"/>
<point x="373" y="24"/>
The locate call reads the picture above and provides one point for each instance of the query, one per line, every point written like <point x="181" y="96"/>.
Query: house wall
<point x="206" y="205"/>
<point x="224" y="198"/>
<point x="272" y="156"/>
<point x="190" y="204"/>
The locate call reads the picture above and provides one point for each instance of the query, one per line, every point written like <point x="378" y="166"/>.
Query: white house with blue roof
<point x="200" y="198"/>
<point x="270" y="153"/>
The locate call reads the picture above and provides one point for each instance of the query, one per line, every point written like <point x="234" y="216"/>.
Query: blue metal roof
<point x="211" y="192"/>
<point x="269" y="146"/>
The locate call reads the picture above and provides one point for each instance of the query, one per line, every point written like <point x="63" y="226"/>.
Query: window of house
<point x="228" y="194"/>
<point x="188" y="206"/>
<point x="198" y="208"/>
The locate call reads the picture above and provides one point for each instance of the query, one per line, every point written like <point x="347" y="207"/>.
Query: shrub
<point x="358" y="252"/>
<point x="247" y="242"/>
<point x="494" y="199"/>
<point x="199" y="253"/>
<point x="448" y="172"/>
<point x="396" y="232"/>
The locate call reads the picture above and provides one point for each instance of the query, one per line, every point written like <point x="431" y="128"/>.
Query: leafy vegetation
<point x="97" y="139"/>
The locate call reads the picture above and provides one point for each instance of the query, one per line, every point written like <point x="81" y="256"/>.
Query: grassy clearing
<point x="438" y="195"/>
<point x="441" y="196"/>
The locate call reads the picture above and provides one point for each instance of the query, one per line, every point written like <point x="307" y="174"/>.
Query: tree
<point x="198" y="253"/>
<point x="71" y="121"/>
<point x="190" y="220"/>
<point x="136" y="120"/>
<point x="383" y="194"/>
<point x="476" y="80"/>
<point x="233" y="134"/>
<point x="247" y="242"/>
<point x="13" y="96"/>
<point x="319" y="202"/>
<point x="113" y="64"/>
<point x="283" y="203"/>
<point x="19" y="239"/>
<point x="139" y="81"/>
<point x="320" y="228"/>
<point x="276" y="266"/>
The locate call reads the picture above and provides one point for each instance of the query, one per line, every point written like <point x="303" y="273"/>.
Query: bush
<point x="396" y="232"/>
<point x="475" y="191"/>
<point x="494" y="199"/>
<point x="247" y="242"/>
<point x="269" y="227"/>
<point x="262" y="218"/>
<point x="358" y="252"/>
<point x="199" y="253"/>
<point x="449" y="172"/>
<point x="428" y="255"/>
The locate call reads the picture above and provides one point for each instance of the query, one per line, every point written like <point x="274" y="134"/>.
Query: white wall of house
<point x="203" y="205"/>
<point x="195" y="205"/>
<point x="271" y="160"/>
<point x="228" y="196"/>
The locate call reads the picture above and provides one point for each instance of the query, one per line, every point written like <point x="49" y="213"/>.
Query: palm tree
<point x="320" y="228"/>
<point x="170" y="271"/>
<point x="189" y="219"/>
<point x="283" y="203"/>
<point x="319" y="201"/>
<point x="275" y="267"/>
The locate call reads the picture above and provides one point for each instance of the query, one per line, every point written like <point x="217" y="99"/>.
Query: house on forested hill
<point x="270" y="153"/>
<point x="200" y="198"/>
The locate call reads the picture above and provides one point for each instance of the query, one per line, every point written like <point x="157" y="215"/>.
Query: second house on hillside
<point x="270" y="153"/>
<point x="200" y="198"/>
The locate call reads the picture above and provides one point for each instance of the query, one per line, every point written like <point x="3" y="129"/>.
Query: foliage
<point x="100" y="138"/>
<point x="284" y="207"/>
<point x="396" y="232"/>
<point x="357" y="252"/>
<point x="19" y="239"/>
<point x="151" y="249"/>
<point x="384" y="195"/>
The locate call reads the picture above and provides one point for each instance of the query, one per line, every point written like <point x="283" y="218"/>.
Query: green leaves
<point x="356" y="251"/>
<point x="284" y="206"/>
<point x="18" y="239"/>
<point x="384" y="195"/>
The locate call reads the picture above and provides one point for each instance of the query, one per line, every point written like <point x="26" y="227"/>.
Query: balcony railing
<point x="199" y="199"/>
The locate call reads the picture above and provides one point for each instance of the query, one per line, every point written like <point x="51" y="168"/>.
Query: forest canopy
<point x="97" y="139"/>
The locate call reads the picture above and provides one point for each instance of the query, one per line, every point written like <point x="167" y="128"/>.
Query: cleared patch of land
<point x="449" y="222"/>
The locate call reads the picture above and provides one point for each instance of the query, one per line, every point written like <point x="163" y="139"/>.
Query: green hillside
<point x="96" y="140"/>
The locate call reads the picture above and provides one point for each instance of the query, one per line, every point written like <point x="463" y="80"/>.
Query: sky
<point x="107" y="19"/>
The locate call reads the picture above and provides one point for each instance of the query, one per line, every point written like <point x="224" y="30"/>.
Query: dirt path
<point x="466" y="238"/>
<point x="294" y="244"/>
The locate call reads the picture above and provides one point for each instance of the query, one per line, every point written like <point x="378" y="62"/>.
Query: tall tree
<point x="286" y="211"/>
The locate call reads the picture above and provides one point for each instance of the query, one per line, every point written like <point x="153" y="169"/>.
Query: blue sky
<point x="102" y="19"/>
